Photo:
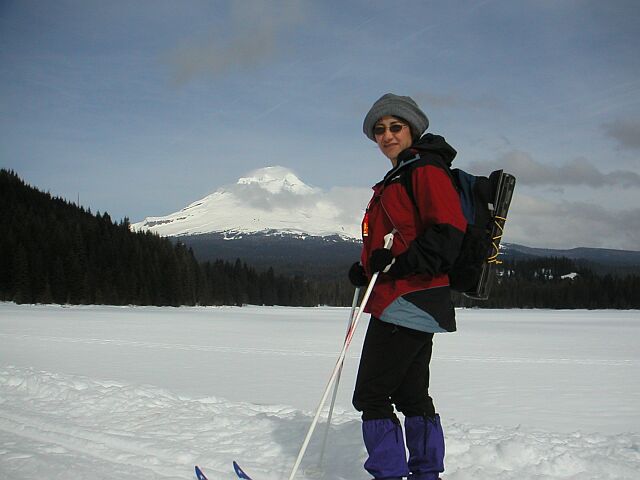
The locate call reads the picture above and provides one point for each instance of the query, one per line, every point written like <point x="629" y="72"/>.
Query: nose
<point x="387" y="135"/>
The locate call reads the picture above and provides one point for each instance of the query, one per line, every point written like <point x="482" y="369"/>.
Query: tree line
<point x="53" y="251"/>
<point x="557" y="282"/>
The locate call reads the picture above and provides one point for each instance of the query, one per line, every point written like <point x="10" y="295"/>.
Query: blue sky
<point x="139" y="108"/>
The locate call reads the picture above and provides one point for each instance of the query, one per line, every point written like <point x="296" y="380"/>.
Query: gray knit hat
<point x="397" y="106"/>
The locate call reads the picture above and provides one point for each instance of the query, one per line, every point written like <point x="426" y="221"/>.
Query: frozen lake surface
<point x="144" y="392"/>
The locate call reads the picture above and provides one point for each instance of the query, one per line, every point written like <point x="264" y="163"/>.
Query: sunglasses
<point x="393" y="128"/>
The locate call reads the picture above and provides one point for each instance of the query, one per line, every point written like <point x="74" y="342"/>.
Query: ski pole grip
<point x="388" y="239"/>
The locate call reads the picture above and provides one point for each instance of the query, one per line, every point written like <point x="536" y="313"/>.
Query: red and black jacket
<point x="429" y="232"/>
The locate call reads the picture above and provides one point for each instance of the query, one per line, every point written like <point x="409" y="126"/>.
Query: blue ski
<point x="239" y="472"/>
<point x="199" y="474"/>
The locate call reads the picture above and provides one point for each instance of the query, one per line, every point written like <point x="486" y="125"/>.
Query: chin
<point x="392" y="154"/>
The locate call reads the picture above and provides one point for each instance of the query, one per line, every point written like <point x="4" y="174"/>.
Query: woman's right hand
<point x="357" y="275"/>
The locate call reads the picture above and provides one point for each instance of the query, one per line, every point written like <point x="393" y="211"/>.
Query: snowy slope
<point x="57" y="426"/>
<point x="131" y="393"/>
<point x="270" y="199"/>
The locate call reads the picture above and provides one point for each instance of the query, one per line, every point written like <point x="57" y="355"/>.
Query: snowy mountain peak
<point x="276" y="179"/>
<point x="271" y="200"/>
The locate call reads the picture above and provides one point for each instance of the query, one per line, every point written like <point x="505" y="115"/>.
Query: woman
<point x="411" y="298"/>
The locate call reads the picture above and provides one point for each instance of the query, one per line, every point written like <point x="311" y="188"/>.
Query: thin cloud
<point x="542" y="222"/>
<point x="257" y="197"/>
<point x="625" y="132"/>
<point x="253" y="37"/>
<point x="533" y="220"/>
<point x="347" y="202"/>
<point x="573" y="173"/>
<point x="456" y="101"/>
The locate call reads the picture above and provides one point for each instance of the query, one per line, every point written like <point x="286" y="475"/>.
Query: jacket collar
<point x="425" y="145"/>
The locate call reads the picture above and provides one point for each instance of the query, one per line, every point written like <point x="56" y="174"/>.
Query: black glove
<point x="382" y="260"/>
<point x="357" y="275"/>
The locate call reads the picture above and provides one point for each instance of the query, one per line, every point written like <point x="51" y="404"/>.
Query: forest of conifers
<point x="53" y="251"/>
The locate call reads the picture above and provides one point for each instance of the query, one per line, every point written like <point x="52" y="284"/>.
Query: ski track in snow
<point x="302" y="353"/>
<point x="59" y="426"/>
<point x="141" y="431"/>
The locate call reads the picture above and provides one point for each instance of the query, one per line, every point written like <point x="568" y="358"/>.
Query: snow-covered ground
<point x="142" y="392"/>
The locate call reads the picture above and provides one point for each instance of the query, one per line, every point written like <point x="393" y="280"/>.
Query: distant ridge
<point x="607" y="256"/>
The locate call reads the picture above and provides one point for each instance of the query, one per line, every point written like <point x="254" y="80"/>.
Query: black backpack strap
<point x="430" y="158"/>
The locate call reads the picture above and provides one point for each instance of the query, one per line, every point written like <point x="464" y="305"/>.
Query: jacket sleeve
<point x="435" y="250"/>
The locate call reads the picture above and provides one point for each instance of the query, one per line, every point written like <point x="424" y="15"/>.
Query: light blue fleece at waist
<point x="405" y="314"/>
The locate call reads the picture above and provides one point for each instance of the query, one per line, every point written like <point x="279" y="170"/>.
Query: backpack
<point x="485" y="202"/>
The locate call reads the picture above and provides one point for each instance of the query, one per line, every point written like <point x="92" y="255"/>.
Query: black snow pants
<point x="394" y="370"/>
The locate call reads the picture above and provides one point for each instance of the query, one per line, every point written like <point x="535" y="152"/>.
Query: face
<point x="390" y="143"/>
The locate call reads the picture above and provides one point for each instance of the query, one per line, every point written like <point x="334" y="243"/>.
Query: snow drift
<point x="145" y="392"/>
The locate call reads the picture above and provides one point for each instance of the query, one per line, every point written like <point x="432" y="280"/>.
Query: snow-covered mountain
<point x="270" y="200"/>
